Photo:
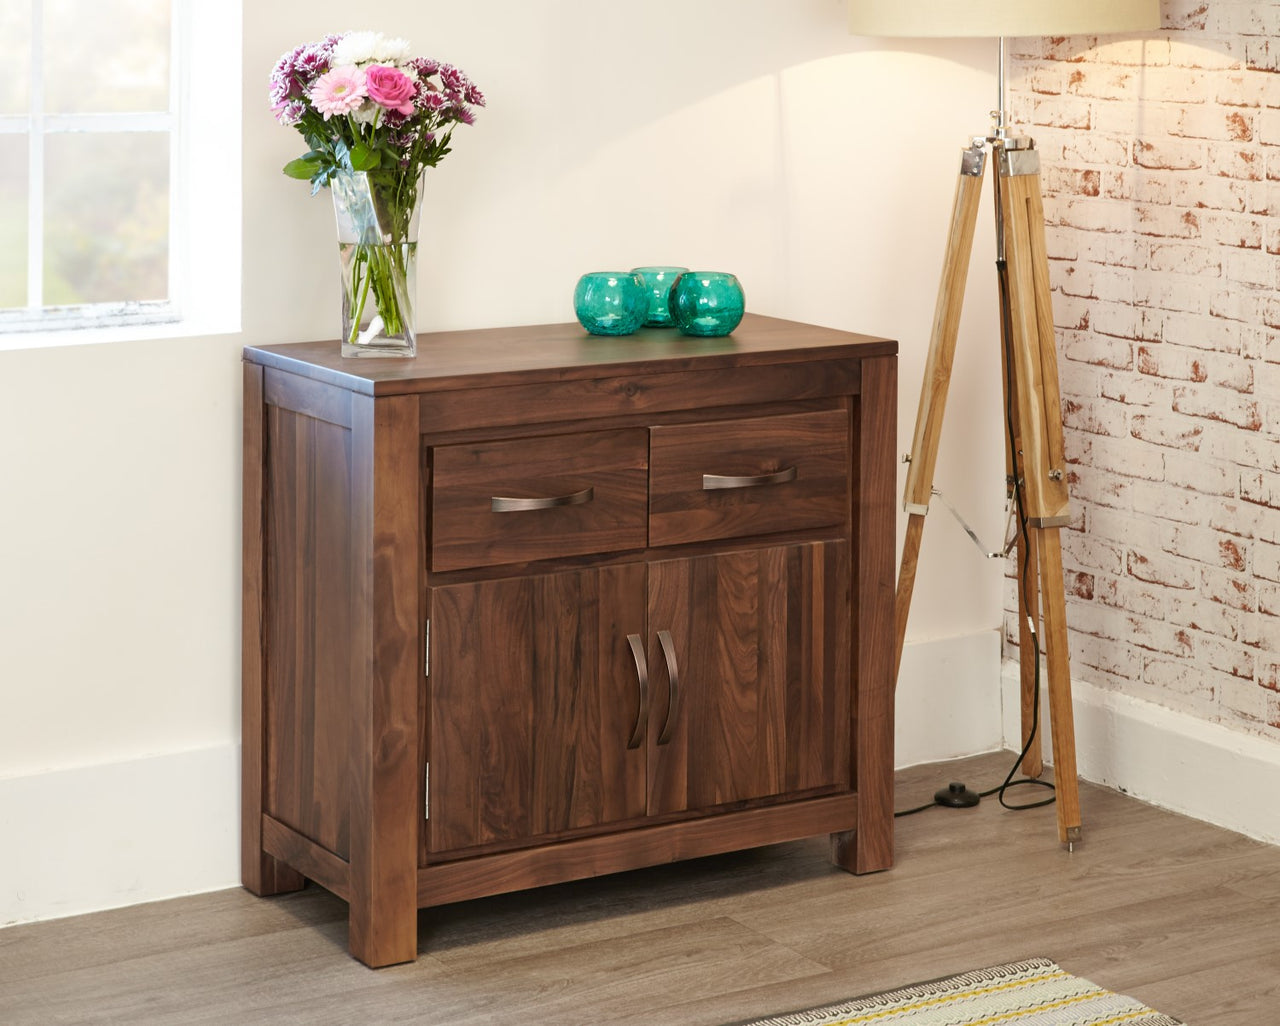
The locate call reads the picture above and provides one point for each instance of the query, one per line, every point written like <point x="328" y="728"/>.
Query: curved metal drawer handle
<point x="711" y="482"/>
<point x="507" y="504"/>
<point x="642" y="675"/>
<point x="673" y="674"/>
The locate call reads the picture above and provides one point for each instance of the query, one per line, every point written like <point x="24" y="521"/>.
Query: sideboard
<point x="534" y="606"/>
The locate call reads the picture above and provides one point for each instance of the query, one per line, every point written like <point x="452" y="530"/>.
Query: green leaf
<point x="303" y="168"/>
<point x="363" y="158"/>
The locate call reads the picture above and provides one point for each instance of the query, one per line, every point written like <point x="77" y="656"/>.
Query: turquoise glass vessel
<point x="658" y="280"/>
<point x="707" y="304"/>
<point x="611" y="302"/>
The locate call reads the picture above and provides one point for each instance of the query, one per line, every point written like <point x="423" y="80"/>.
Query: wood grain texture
<point x="813" y="445"/>
<point x="309" y="627"/>
<point x="633" y="849"/>
<point x="467" y="532"/>
<point x="386" y="670"/>
<point x="533" y="728"/>
<point x="260" y="873"/>
<point x="869" y="848"/>
<point x="1177" y="913"/>
<point x="546" y="355"/>
<point x="942" y="341"/>
<point x="760" y="647"/>
<point x="529" y="731"/>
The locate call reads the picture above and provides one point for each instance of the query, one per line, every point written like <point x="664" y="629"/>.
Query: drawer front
<point x="747" y="477"/>
<point x="538" y="498"/>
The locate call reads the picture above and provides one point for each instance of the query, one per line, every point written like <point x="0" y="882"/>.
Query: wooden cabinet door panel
<point x="534" y="696"/>
<point x="759" y="644"/>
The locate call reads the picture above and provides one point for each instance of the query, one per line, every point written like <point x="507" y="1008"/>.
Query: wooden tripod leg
<point x="1043" y="458"/>
<point x="1048" y="542"/>
<point x="1027" y="579"/>
<point x="937" y="379"/>
<point x="1028" y="614"/>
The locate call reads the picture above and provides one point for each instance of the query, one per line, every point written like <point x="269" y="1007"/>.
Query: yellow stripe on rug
<point x="1034" y="992"/>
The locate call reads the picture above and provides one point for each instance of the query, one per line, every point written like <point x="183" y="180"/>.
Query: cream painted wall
<point x="747" y="134"/>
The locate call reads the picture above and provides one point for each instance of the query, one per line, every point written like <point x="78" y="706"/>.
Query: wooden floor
<point x="1179" y="914"/>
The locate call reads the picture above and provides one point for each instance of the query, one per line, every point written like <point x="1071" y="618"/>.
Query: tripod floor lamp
<point x="1035" y="461"/>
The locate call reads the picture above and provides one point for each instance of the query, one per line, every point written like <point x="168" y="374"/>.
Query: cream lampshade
<point x="1001" y="17"/>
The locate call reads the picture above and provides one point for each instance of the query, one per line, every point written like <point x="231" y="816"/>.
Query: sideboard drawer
<point x="746" y="477"/>
<point x="538" y="498"/>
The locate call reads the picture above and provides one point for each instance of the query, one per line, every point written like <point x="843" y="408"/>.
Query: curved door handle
<point x="507" y="504"/>
<point x="673" y="674"/>
<point x="642" y="676"/>
<point x="712" y="482"/>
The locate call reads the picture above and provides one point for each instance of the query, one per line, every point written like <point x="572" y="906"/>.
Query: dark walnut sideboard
<point x="536" y="606"/>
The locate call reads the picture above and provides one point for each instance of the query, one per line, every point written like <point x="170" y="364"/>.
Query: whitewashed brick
<point x="1230" y="589"/>
<point x="1199" y="614"/>
<point x="1096" y="416"/>
<point x="1176" y="362"/>
<point x="1201" y="545"/>
<point x="1161" y="570"/>
<point x="1182" y="677"/>
<point x="1115" y="353"/>
<point x="1199" y="475"/>
<point x="1212" y="404"/>
<point x="1132" y="391"/>
<point x="1261" y="488"/>
<point x="1214" y="123"/>
<point x="1185" y="258"/>
<point x="1266" y="562"/>
<point x="1168" y="505"/>
<point x="1167" y="430"/>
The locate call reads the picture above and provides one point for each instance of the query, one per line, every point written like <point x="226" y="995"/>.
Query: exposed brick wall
<point x="1162" y="197"/>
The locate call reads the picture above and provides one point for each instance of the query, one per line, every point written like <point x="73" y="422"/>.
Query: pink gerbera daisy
<point x="339" y="91"/>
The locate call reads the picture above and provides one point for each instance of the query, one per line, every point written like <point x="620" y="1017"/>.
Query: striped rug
<point x="1031" y="993"/>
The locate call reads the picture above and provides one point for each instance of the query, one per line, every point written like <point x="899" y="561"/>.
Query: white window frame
<point x="204" y="192"/>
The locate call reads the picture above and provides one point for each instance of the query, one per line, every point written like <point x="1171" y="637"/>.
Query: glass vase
<point x="611" y="302"/>
<point x="377" y="216"/>
<point x="708" y="304"/>
<point x="658" y="280"/>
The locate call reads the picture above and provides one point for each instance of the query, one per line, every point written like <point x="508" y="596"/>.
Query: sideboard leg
<point x="386" y="671"/>
<point x="869" y="846"/>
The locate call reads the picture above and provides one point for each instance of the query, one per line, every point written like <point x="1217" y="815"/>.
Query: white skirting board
<point x="1166" y="758"/>
<point x="948" y="699"/>
<point x="104" y="836"/>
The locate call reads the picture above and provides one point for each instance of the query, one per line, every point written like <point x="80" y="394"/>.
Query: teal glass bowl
<point x="707" y="304"/>
<point x="658" y="280"/>
<point x="611" y="302"/>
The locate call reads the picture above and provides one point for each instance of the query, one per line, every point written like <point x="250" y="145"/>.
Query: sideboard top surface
<point x="556" y="352"/>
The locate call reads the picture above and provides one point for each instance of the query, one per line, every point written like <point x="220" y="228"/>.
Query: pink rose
<point x="390" y="88"/>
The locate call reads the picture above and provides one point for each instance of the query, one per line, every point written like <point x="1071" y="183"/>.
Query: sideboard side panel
<point x="261" y="873"/>
<point x="308" y="620"/>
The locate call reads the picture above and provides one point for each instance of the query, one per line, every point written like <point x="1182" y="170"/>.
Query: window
<point x="98" y="165"/>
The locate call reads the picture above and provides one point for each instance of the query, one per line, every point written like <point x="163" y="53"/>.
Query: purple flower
<point x="454" y="81"/>
<point x="473" y="95"/>
<point x="290" y="112"/>
<point x="432" y="101"/>
<point x="424" y="66"/>
<point x="461" y="113"/>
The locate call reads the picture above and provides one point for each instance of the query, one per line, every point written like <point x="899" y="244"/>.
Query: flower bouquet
<point x="375" y="119"/>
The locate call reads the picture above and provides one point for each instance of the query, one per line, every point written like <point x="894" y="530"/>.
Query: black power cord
<point x="956" y="797"/>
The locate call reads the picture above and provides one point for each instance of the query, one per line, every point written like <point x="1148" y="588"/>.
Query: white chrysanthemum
<point x="361" y="47"/>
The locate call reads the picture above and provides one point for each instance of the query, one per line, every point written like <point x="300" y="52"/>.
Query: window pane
<point x="109" y="55"/>
<point x="106" y="217"/>
<point x="13" y="221"/>
<point x="15" y="55"/>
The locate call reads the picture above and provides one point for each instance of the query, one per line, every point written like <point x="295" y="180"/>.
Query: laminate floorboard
<point x="1175" y="912"/>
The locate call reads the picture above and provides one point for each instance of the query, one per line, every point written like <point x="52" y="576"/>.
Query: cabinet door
<point x="754" y="648"/>
<point x="534" y="697"/>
